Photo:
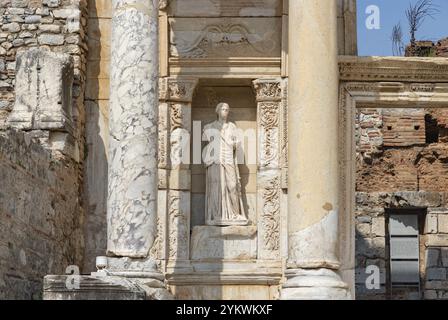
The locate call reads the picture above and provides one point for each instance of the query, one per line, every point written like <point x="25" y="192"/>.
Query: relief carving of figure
<point x="223" y="196"/>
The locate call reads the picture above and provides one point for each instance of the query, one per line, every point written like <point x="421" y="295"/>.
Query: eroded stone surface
<point x="232" y="243"/>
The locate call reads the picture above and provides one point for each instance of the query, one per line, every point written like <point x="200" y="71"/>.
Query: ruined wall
<point x="402" y="162"/>
<point x="41" y="208"/>
<point x="58" y="25"/>
<point x="428" y="49"/>
<point x="39" y="216"/>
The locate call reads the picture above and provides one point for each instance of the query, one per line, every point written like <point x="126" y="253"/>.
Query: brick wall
<point x="428" y="49"/>
<point x="402" y="162"/>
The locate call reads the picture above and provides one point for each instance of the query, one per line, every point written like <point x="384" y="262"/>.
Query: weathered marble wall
<point x="40" y="216"/>
<point x="97" y="88"/>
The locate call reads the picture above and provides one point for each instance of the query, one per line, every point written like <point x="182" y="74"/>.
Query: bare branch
<point x="397" y="40"/>
<point x="416" y="15"/>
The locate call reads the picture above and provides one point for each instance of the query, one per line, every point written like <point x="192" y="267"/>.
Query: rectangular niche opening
<point x="240" y="96"/>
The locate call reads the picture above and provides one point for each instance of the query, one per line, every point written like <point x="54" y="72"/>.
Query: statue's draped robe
<point x="223" y="204"/>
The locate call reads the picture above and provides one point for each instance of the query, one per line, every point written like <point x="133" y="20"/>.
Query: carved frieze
<point x="163" y="135"/>
<point x="269" y="96"/>
<point x="176" y="116"/>
<point x="269" y="133"/>
<point x="177" y="89"/>
<point x="270" y="218"/>
<point x="271" y="100"/>
<point x="393" y="69"/>
<point x="226" y="8"/>
<point x="422" y="87"/>
<point x="284" y="135"/>
<point x="268" y="89"/>
<point x="225" y="37"/>
<point x="179" y="227"/>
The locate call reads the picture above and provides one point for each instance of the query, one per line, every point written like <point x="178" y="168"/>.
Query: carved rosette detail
<point x="271" y="215"/>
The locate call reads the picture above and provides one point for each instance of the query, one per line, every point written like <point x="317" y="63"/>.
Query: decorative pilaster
<point x="313" y="176"/>
<point x="176" y="95"/>
<point x="132" y="196"/>
<point x="268" y="95"/>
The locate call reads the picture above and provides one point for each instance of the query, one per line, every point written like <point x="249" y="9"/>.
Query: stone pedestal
<point x="91" y="288"/>
<point x="224" y="243"/>
<point x="313" y="153"/>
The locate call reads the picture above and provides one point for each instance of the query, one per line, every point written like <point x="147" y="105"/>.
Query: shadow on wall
<point x="96" y="180"/>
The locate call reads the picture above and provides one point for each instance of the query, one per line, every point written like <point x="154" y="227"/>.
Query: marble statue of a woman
<point x="223" y="197"/>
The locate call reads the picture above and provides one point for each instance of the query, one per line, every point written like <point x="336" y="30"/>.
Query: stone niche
<point x="243" y="113"/>
<point x="232" y="242"/>
<point x="233" y="52"/>
<point x="208" y="261"/>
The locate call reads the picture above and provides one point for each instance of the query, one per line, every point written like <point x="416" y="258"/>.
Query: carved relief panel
<point x="269" y="99"/>
<point x="175" y="95"/>
<point x="225" y="37"/>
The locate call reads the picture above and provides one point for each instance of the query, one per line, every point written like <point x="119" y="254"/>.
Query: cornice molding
<point x="393" y="69"/>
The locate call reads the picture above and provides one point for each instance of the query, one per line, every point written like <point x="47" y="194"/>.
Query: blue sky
<point x="377" y="42"/>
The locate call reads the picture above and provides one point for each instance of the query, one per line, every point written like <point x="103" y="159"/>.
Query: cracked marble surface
<point x="132" y="185"/>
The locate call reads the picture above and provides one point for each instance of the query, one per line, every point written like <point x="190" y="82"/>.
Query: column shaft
<point x="313" y="151"/>
<point x="132" y="192"/>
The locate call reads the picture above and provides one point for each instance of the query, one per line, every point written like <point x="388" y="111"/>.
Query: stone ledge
<point x="91" y="288"/>
<point x="104" y="287"/>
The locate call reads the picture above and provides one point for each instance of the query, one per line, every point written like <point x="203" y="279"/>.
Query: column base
<point x="121" y="279"/>
<point x="314" y="284"/>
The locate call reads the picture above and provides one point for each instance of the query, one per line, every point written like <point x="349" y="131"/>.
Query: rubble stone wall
<point x="40" y="221"/>
<point x="41" y="204"/>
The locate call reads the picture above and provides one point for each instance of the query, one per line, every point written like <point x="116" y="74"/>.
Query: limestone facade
<point x="327" y="154"/>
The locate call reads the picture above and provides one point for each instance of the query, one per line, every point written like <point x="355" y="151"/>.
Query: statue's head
<point x="222" y="110"/>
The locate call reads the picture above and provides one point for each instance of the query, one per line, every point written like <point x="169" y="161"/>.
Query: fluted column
<point x="313" y="153"/>
<point x="132" y="193"/>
